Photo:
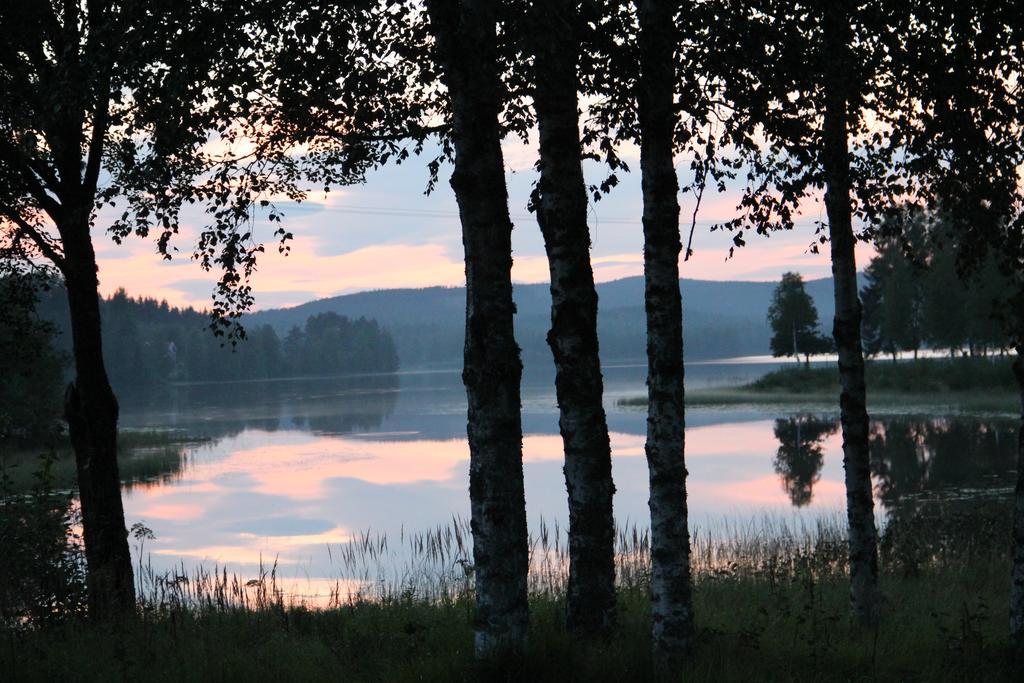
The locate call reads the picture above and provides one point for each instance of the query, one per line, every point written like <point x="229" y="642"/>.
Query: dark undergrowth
<point x="937" y="626"/>
<point x="771" y="604"/>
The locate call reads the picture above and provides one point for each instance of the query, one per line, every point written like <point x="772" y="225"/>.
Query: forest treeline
<point x="148" y="343"/>
<point x="914" y="297"/>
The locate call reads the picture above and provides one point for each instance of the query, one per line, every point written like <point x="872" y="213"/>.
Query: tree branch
<point x="48" y="250"/>
<point x="701" y="184"/>
<point x="100" y="121"/>
<point x="28" y="172"/>
<point x="101" y="112"/>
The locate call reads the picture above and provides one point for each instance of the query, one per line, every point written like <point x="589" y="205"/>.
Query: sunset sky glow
<point x="388" y="234"/>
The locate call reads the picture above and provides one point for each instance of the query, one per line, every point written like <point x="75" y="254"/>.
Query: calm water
<point x="288" y="469"/>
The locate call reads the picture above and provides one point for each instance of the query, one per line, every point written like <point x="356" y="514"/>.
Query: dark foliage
<point x="42" y="566"/>
<point x="31" y="367"/>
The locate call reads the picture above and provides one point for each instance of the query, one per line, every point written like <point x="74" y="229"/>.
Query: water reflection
<point x="801" y="454"/>
<point x="289" y="469"/>
<point x="912" y="456"/>
<point x="945" y="485"/>
<point x="339" y="405"/>
<point x="153" y="466"/>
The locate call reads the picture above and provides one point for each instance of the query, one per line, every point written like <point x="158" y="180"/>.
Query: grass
<point x="966" y="384"/>
<point x="750" y="629"/>
<point x="770" y="602"/>
<point x="925" y="375"/>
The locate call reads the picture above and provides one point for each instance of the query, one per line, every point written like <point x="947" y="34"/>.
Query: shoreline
<point x="962" y="385"/>
<point x="888" y="402"/>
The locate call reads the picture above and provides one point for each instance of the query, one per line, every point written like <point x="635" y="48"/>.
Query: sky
<point x="386" y="233"/>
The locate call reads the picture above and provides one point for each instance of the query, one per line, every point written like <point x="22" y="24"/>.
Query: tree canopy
<point x="915" y="296"/>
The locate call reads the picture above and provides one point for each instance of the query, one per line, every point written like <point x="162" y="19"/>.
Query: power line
<point x="398" y="212"/>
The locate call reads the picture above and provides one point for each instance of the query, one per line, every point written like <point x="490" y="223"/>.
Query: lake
<point x="290" y="471"/>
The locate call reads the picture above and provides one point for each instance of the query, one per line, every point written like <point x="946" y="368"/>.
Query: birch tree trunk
<point x="91" y="411"/>
<point x="1017" y="584"/>
<point x="560" y="200"/>
<point x="465" y="34"/>
<point x="863" y="545"/>
<point x="672" y="607"/>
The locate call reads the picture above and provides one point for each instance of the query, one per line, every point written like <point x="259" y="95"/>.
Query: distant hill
<point x="722" y="318"/>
